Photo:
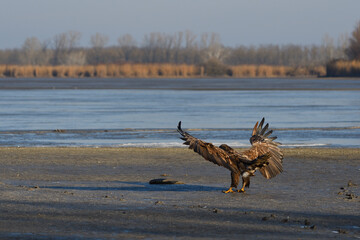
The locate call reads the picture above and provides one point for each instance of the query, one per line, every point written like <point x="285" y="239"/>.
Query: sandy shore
<point x="100" y="193"/>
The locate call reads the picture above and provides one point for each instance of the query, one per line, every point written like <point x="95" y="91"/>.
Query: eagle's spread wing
<point x="262" y="143"/>
<point x="208" y="151"/>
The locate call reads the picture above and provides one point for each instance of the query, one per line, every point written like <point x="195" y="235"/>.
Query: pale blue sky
<point x="238" y="22"/>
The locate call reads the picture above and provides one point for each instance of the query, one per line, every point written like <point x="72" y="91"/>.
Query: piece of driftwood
<point x="164" y="181"/>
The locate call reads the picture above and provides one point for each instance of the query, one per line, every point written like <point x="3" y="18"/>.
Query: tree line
<point x="178" y="48"/>
<point x="204" y="51"/>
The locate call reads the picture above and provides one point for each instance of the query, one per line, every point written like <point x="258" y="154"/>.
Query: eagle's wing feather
<point x="208" y="151"/>
<point x="262" y="144"/>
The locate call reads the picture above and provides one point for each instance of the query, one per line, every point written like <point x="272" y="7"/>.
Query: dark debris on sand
<point x="347" y="192"/>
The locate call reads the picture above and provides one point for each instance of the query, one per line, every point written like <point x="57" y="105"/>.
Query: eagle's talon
<point x="241" y="190"/>
<point x="228" y="191"/>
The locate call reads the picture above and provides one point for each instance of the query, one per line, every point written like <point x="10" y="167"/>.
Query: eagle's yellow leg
<point x="243" y="188"/>
<point x="229" y="190"/>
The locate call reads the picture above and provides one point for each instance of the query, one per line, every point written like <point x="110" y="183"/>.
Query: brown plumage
<point x="263" y="155"/>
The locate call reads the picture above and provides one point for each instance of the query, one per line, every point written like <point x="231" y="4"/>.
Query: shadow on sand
<point x="138" y="187"/>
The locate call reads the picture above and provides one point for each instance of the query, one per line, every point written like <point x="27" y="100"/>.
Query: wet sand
<point x="103" y="193"/>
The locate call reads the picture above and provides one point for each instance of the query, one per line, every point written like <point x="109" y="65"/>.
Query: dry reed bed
<point x="152" y="71"/>
<point x="343" y="69"/>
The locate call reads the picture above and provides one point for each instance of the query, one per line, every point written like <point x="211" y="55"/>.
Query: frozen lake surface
<point x="148" y="117"/>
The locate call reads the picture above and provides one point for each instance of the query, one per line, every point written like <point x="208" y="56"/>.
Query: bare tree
<point x="75" y="58"/>
<point x="150" y="43"/>
<point x="342" y="45"/>
<point x="73" y="39"/>
<point x="60" y="47"/>
<point x="128" y="45"/>
<point x="191" y="52"/>
<point x="63" y="44"/>
<point x="170" y="42"/>
<point x="190" y="40"/>
<point x="212" y="46"/>
<point x="30" y="51"/>
<point x="99" y="40"/>
<point x="177" y="46"/>
<point x="127" y="41"/>
<point x="33" y="52"/>
<point x="328" y="48"/>
<point x="353" y="51"/>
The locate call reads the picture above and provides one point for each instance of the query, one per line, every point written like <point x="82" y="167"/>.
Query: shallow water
<point x="149" y="117"/>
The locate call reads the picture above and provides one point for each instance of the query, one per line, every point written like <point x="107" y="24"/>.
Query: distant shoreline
<point x="159" y="70"/>
<point x="222" y="84"/>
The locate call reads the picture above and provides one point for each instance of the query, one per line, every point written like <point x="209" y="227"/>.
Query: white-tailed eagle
<point x="263" y="155"/>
